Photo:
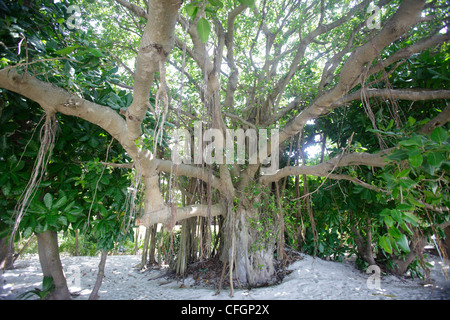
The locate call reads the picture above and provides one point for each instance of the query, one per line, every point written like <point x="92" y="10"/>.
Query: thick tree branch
<point x="421" y="45"/>
<point x="118" y="165"/>
<point x="407" y="15"/>
<point x="235" y="117"/>
<point x="140" y="12"/>
<point x="324" y="169"/>
<point x="400" y="94"/>
<point x="198" y="52"/>
<point x="156" y="44"/>
<point x="54" y="99"/>
<point x="321" y="29"/>
<point x="441" y="119"/>
<point x="233" y="78"/>
<point x="169" y="216"/>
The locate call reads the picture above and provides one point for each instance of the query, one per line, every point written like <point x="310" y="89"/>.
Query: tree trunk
<point x="446" y="242"/>
<point x="51" y="264"/>
<point x="417" y="246"/>
<point x="250" y="248"/>
<point x="182" y="259"/>
<point x="152" y="251"/>
<point x="136" y="242"/>
<point x="145" y="249"/>
<point x="76" y="243"/>
<point x="100" y="275"/>
<point x="6" y="253"/>
<point x="364" y="246"/>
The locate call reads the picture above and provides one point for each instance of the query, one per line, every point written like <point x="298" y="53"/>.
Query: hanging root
<point x="230" y="227"/>
<point x="161" y="115"/>
<point x="47" y="137"/>
<point x="130" y="202"/>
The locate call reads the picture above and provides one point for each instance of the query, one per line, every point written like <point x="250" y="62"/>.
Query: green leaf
<point x="411" y="218"/>
<point x="414" y="152"/>
<point x="393" y="242"/>
<point x="403" y="243"/>
<point x="203" y="29"/>
<point x="3" y="178"/>
<point x="44" y="184"/>
<point x="416" y="161"/>
<point x="67" y="50"/>
<point x="428" y="167"/>
<point x="38" y="207"/>
<point x="48" y="201"/>
<point x="216" y="3"/>
<point x="395" y="233"/>
<point x="413" y="141"/>
<point x="93" y="142"/>
<point x="69" y="206"/>
<point x="405" y="206"/>
<point x="411" y="121"/>
<point x="27" y="233"/>
<point x="404" y="173"/>
<point x="406" y="183"/>
<point x="414" y="202"/>
<point x="391" y="123"/>
<point x="96" y="52"/>
<point x="62" y="201"/>
<point x="41" y="228"/>
<point x="63" y="220"/>
<point x="385" y="244"/>
<point x="389" y="178"/>
<point x="85" y="137"/>
<point x="321" y="247"/>
<point x="385" y="212"/>
<point x="52" y="220"/>
<point x="439" y="135"/>
<point x="14" y="178"/>
<point x="70" y="217"/>
<point x="191" y="10"/>
<point x="47" y="284"/>
<point x="6" y="188"/>
<point x="249" y="3"/>
<point x="76" y="211"/>
<point x="398" y="155"/>
<point x="12" y="161"/>
<point x="396" y="215"/>
<point x="435" y="158"/>
<point x="19" y="166"/>
<point x="105" y="179"/>
<point x="389" y="221"/>
<point x="405" y="227"/>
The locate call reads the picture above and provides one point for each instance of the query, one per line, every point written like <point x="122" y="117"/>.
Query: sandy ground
<point x="310" y="279"/>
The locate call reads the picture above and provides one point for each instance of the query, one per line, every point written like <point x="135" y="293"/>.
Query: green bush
<point x="87" y="245"/>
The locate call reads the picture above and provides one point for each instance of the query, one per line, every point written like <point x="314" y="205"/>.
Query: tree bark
<point x="101" y="273"/>
<point x="152" y="251"/>
<point x="364" y="246"/>
<point x="51" y="264"/>
<point x="246" y="248"/>
<point x="6" y="254"/>
<point x="136" y="242"/>
<point x="401" y="265"/>
<point x="446" y="241"/>
<point x="77" y="242"/>
<point x="145" y="248"/>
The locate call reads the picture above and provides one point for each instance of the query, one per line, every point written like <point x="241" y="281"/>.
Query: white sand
<point x="310" y="279"/>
